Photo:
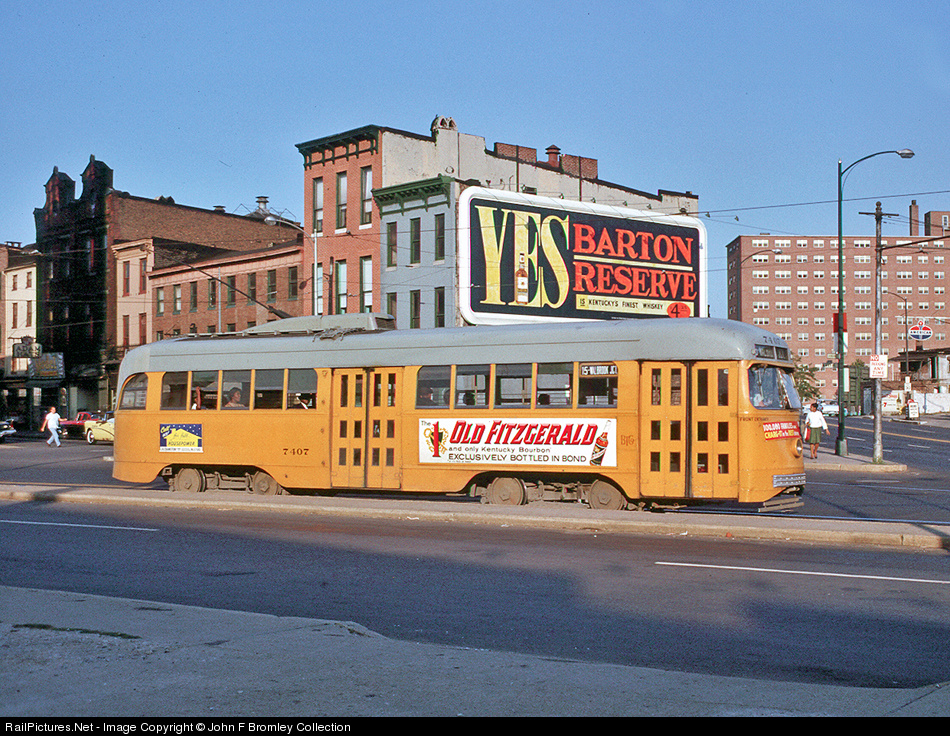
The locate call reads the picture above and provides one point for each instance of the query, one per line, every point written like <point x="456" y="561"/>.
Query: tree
<point x="804" y="377"/>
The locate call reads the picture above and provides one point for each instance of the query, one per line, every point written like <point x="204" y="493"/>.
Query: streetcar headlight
<point x="799" y="447"/>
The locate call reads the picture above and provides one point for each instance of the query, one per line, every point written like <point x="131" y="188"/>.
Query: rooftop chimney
<point x="262" y="204"/>
<point x="914" y="219"/>
<point x="554" y="155"/>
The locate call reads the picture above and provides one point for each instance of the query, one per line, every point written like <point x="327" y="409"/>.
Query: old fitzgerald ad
<point x="590" y="442"/>
<point x="532" y="258"/>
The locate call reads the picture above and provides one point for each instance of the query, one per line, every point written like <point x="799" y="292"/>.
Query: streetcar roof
<point x="613" y="340"/>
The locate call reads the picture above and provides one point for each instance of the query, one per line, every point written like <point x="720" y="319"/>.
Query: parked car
<point x="100" y="430"/>
<point x="830" y="409"/>
<point x="6" y="429"/>
<point x="77" y="427"/>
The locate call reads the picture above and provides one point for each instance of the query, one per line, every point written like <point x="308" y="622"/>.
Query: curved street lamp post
<point x="841" y="445"/>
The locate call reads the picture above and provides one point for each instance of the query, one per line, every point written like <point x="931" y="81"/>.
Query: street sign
<point x="878" y="366"/>
<point x="920" y="331"/>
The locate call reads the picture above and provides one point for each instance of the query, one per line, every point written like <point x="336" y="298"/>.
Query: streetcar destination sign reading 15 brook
<point x="524" y="258"/>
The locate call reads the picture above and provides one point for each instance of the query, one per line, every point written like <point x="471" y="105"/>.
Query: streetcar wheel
<point x="90" y="437"/>
<point x="263" y="485"/>
<point x="190" y="480"/>
<point x="606" y="497"/>
<point x="505" y="492"/>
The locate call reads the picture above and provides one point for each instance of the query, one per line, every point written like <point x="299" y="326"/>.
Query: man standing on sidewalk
<point x="51" y="422"/>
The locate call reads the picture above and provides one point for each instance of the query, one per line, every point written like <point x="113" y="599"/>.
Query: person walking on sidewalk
<point x="815" y="423"/>
<point x="51" y="422"/>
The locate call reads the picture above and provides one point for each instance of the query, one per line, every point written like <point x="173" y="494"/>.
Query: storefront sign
<point x="524" y="258"/>
<point x="455" y="440"/>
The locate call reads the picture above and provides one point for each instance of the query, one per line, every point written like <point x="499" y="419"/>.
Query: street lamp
<point x="841" y="445"/>
<point x="275" y="221"/>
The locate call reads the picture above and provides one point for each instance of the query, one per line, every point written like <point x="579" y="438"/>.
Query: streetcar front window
<point x="772" y="388"/>
<point x="134" y="392"/>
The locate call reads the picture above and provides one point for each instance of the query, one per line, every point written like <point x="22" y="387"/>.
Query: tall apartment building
<point x="342" y="218"/>
<point x="789" y="285"/>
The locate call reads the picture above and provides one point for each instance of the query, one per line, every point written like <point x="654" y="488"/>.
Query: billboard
<point x="524" y="258"/>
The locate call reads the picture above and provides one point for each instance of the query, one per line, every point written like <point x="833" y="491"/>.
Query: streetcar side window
<point x="597" y="385"/>
<point x="269" y="388"/>
<point x="235" y="389"/>
<point x="134" y="392"/>
<point x="301" y="388"/>
<point x="513" y="385"/>
<point x="555" y="381"/>
<point x="204" y="390"/>
<point x="471" y="386"/>
<point x="175" y="390"/>
<point x="432" y="386"/>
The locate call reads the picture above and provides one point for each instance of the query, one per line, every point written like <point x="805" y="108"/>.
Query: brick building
<point x="789" y="285"/>
<point x="342" y="219"/>
<point x="17" y="330"/>
<point x="76" y="313"/>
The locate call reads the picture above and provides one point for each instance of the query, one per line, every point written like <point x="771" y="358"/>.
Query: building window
<point x="391" y="305"/>
<point x="126" y="278"/>
<point x="193" y="296"/>
<point x="252" y="288"/>
<point x="415" y="309"/>
<point x="272" y="286"/>
<point x="231" y="292"/>
<point x="440" y="306"/>
<point x="318" y="206"/>
<point x="143" y="275"/>
<point x="212" y="294"/>
<point x="440" y="237"/>
<point x="366" y="284"/>
<point x="339" y="287"/>
<point x="366" y="195"/>
<point x="341" y="200"/>
<point x="293" y="283"/>
<point x="126" y="324"/>
<point x="176" y="296"/>
<point x="160" y="301"/>
<point x="391" y="244"/>
<point x="415" y="240"/>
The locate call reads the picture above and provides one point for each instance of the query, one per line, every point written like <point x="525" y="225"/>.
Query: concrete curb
<point x="562" y="517"/>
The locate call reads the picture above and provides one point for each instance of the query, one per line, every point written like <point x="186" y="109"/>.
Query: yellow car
<point x="100" y="430"/>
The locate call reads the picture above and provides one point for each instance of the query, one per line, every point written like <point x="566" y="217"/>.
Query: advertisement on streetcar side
<point x="524" y="258"/>
<point x="584" y="442"/>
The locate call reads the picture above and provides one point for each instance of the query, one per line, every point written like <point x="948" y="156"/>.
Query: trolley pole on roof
<point x="841" y="445"/>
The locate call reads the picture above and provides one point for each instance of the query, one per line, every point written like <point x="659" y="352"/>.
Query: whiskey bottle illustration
<point x="521" y="282"/>
<point x="600" y="448"/>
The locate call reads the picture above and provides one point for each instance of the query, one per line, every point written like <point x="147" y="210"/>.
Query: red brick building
<point x="77" y="279"/>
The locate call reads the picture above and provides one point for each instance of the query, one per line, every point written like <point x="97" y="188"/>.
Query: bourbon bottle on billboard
<point x="521" y="282"/>
<point x="600" y="448"/>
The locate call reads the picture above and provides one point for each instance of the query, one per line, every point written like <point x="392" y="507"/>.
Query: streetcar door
<point x="663" y="430"/>
<point x="365" y="428"/>
<point x="383" y="439"/>
<point x="348" y="428"/>
<point x="714" y="424"/>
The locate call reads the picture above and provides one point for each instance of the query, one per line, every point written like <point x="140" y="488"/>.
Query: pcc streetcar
<point x="613" y="413"/>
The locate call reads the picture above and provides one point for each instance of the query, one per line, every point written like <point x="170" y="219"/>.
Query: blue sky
<point x="747" y="104"/>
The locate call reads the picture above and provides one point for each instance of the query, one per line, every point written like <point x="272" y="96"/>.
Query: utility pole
<point x="879" y="215"/>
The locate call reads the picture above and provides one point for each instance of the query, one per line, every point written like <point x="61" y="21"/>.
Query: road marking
<point x="805" y="572"/>
<point x="82" y="526"/>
